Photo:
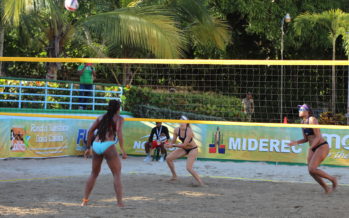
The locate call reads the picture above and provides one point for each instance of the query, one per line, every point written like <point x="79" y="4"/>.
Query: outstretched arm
<point x="301" y="141"/>
<point x="174" y="139"/>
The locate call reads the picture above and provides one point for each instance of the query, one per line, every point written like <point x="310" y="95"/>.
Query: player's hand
<point x="168" y="145"/>
<point x="124" y="155"/>
<point x="87" y="153"/>
<point x="292" y="143"/>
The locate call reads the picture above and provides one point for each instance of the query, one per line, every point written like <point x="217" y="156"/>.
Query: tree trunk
<point x="126" y="74"/>
<point x="2" y="34"/>
<point x="53" y="52"/>
<point x="333" y="100"/>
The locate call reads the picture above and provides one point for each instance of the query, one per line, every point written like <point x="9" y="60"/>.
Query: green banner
<point x="35" y="137"/>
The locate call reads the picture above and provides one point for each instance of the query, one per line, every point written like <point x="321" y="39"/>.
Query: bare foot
<point x="173" y="178"/>
<point x="327" y="190"/>
<point x="334" y="184"/>
<point x="120" y="205"/>
<point x="203" y="185"/>
<point x="84" y="202"/>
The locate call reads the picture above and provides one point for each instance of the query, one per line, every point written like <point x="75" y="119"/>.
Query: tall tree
<point x="335" y="22"/>
<point x="147" y="28"/>
<point x="194" y="20"/>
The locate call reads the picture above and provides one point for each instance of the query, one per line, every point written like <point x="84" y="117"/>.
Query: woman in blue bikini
<point x="187" y="147"/>
<point x="109" y="132"/>
<point x="318" y="150"/>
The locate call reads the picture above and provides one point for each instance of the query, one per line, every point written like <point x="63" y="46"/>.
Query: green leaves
<point x="148" y="28"/>
<point x="335" y="22"/>
<point x="209" y="104"/>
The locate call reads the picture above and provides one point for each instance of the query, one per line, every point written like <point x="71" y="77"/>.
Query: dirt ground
<point x="54" y="187"/>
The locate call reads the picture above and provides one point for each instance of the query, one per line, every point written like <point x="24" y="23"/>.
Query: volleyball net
<point x="199" y="89"/>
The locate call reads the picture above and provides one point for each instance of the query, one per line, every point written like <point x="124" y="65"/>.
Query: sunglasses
<point x="302" y="109"/>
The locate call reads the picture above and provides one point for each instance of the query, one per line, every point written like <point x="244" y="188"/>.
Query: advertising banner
<point x="35" y="137"/>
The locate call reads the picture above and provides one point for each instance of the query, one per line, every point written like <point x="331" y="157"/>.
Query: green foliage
<point x="148" y="28"/>
<point x="334" y="22"/>
<point x="208" y="104"/>
<point x="256" y="28"/>
<point x="332" y="119"/>
<point x="164" y="113"/>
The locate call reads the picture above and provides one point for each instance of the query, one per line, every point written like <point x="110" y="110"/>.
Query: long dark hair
<point x="107" y="121"/>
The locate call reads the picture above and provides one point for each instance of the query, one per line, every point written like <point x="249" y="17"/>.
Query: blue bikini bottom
<point x="101" y="147"/>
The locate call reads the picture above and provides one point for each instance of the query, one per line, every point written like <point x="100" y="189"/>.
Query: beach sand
<point x="54" y="188"/>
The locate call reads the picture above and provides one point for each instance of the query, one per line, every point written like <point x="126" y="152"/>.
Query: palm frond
<point x="215" y="33"/>
<point x="147" y="28"/>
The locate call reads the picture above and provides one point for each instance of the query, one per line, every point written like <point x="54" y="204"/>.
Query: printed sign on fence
<point x="52" y="137"/>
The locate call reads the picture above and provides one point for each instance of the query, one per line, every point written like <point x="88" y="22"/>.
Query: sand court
<point x="54" y="187"/>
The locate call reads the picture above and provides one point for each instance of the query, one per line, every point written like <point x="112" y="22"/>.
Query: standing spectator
<point x="248" y="105"/>
<point x="87" y="73"/>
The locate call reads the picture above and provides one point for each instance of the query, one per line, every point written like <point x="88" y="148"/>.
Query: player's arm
<point x="167" y="133"/>
<point x="120" y="137"/>
<point x="90" y="136"/>
<point x="301" y="141"/>
<point x="174" y="139"/>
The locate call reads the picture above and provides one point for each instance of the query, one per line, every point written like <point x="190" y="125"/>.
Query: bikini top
<point x="308" y="131"/>
<point x="185" y="135"/>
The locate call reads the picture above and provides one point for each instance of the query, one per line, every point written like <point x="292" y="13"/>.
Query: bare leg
<point x="171" y="157"/>
<point x="317" y="157"/>
<point x="147" y="147"/>
<point x="114" y="163"/>
<point x="96" y="168"/>
<point x="190" y="162"/>
<point x="315" y="176"/>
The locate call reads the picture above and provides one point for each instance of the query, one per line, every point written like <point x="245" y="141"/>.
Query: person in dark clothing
<point x="158" y="136"/>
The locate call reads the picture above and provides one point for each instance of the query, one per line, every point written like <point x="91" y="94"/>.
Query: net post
<point x="20" y="95"/>
<point x="93" y="97"/>
<point x="45" y="103"/>
<point x="120" y="96"/>
<point x="71" y="96"/>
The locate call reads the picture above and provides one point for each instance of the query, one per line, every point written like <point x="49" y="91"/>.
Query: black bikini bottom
<point x="318" y="146"/>
<point x="188" y="150"/>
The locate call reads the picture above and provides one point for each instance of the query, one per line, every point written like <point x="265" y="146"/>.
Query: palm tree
<point x="335" y="22"/>
<point x="153" y="29"/>
<point x="41" y="23"/>
<point x="194" y="19"/>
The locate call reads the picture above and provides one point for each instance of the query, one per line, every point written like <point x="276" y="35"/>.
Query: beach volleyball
<point x="71" y="5"/>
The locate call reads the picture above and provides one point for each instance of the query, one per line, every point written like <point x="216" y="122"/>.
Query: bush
<point x="209" y="104"/>
<point x="332" y="119"/>
<point x="163" y="113"/>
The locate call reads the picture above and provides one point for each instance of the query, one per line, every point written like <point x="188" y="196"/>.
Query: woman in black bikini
<point x="318" y="150"/>
<point x="188" y="147"/>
